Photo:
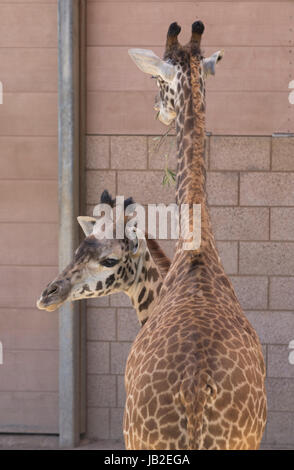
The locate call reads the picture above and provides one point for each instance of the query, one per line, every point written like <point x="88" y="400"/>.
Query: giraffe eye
<point x="109" y="262"/>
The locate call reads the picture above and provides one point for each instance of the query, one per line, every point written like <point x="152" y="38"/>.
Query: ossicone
<point x="197" y="31"/>
<point x="172" y="36"/>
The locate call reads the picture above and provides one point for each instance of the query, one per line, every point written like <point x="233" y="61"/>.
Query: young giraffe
<point x="101" y="267"/>
<point x="195" y="373"/>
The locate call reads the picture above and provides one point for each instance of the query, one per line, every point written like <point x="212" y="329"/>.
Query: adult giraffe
<point x="195" y="373"/>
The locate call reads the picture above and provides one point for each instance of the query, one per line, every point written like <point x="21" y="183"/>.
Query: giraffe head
<point x="173" y="73"/>
<point x="100" y="266"/>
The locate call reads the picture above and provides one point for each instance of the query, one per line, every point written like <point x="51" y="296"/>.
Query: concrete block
<point x="272" y="258"/>
<point x="280" y="428"/>
<point x="266" y="189"/>
<point x="282" y="223"/>
<point x="98" y="357"/>
<point x="240" y="223"/>
<point x="278" y="361"/>
<point x="160" y="151"/>
<point x="96" y="182"/>
<point x="280" y="394"/>
<point x="228" y="252"/>
<point x="282" y="293"/>
<point x="129" y="152"/>
<point x="98" y="423"/>
<point x="121" y="392"/>
<point x="145" y="187"/>
<point x="251" y="291"/>
<point x="282" y="153"/>
<point x="97" y="152"/>
<point x="222" y="189"/>
<point x="116" y="423"/>
<point x="101" y="390"/>
<point x="127" y="324"/>
<point x="119" y="355"/>
<point x="239" y="153"/>
<point x="272" y="327"/>
<point x="101" y="324"/>
<point x="120" y="300"/>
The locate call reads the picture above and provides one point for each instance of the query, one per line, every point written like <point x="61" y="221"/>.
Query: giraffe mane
<point x="161" y="260"/>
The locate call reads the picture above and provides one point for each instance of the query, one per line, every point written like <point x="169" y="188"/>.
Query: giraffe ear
<point x="137" y="241"/>
<point x="87" y="224"/>
<point x="210" y="62"/>
<point x="150" y="63"/>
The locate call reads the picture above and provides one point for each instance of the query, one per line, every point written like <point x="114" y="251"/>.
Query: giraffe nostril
<point x="53" y="290"/>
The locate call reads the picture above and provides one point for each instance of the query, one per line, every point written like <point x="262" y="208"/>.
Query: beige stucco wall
<point x="28" y="215"/>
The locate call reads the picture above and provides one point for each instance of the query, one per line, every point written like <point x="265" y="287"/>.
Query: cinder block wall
<point x="250" y="185"/>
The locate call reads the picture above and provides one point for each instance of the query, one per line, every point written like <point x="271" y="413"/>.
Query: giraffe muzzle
<point x="165" y="118"/>
<point x="54" y="295"/>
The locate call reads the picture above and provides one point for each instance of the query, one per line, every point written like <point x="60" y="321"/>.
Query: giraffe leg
<point x="197" y="391"/>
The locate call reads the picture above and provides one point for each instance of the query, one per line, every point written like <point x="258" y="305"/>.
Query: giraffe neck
<point x="191" y="172"/>
<point x="152" y="267"/>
